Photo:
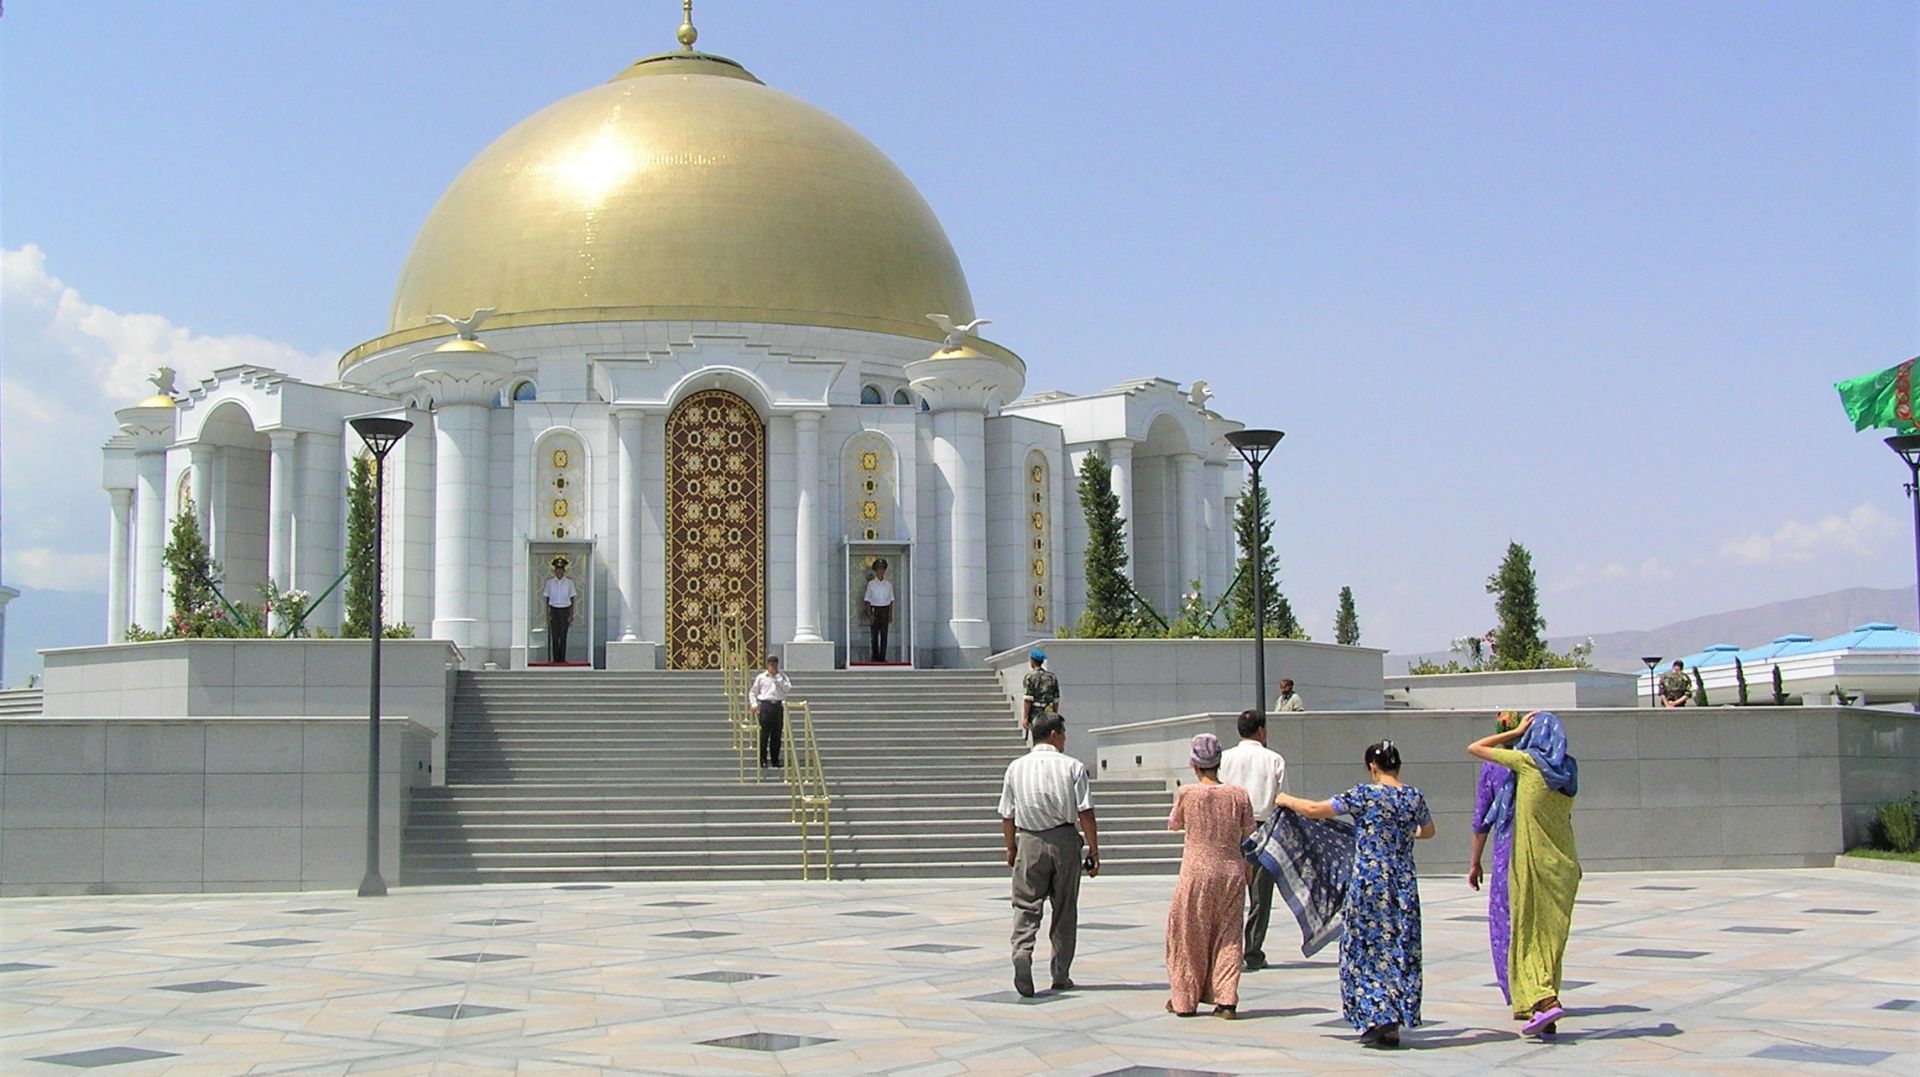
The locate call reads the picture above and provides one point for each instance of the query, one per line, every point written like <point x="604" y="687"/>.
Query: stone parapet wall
<point x="275" y="677"/>
<point x="1722" y="787"/>
<point x="181" y="805"/>
<point x="1105" y="682"/>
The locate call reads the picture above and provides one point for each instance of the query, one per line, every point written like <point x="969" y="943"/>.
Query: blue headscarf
<point x="1546" y="741"/>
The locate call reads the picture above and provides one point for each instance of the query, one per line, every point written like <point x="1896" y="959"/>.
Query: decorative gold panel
<point x="560" y="477"/>
<point x="716" y="527"/>
<point x="1039" y="496"/>
<point x="867" y="469"/>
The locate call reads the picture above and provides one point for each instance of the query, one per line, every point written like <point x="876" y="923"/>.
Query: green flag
<point x="1884" y="399"/>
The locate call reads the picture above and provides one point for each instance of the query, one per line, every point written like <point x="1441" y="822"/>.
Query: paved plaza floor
<point x="1699" y="972"/>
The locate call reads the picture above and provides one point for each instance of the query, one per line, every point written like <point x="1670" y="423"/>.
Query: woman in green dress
<point x="1544" y="875"/>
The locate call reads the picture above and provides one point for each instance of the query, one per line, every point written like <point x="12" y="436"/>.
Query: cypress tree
<point x="1253" y="529"/>
<point x="359" y="597"/>
<point x="1516" y="639"/>
<point x="1109" y="593"/>
<point x="191" y="573"/>
<point x="1740" y="678"/>
<point x="1346" y="623"/>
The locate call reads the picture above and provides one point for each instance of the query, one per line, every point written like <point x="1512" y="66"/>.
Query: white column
<point x="150" y="518"/>
<point x="119" y="564"/>
<point x="806" y="533"/>
<point x="959" y="451"/>
<point x="653" y="524"/>
<point x="200" y="488"/>
<point x="1120" y="459"/>
<point x="459" y="523"/>
<point x="1189" y="505"/>
<point x="627" y="425"/>
<point x="1219" y="558"/>
<point x="282" y="467"/>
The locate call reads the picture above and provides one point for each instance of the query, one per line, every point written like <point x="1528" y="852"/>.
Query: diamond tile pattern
<point x="879" y="914"/>
<point x="314" y="912"/>
<point x="21" y="966"/>
<point x="1844" y="912"/>
<point x="1760" y="929"/>
<point x="725" y="976"/>
<point x="205" y="987"/>
<point x="369" y="992"/>
<point x="1824" y="1056"/>
<point x="459" y="1011"/>
<point x="95" y="929"/>
<point x="676" y="904"/>
<point x="766" y="1041"/>
<point x="696" y="933"/>
<point x="276" y="942"/>
<point x="104" y="1056"/>
<point x="1159" y="1071"/>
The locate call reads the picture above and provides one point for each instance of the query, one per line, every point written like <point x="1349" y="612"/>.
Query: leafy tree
<point x="1109" y="610"/>
<point x="1253" y="529"/>
<point x="359" y="597"/>
<point x="1346" y="623"/>
<point x="1517" y="642"/>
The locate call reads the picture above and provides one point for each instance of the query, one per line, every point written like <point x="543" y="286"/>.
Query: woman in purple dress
<point x="1493" y="823"/>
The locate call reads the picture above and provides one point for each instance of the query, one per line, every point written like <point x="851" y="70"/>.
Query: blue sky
<point x="1579" y="275"/>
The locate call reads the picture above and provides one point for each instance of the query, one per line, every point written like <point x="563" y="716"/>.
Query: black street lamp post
<point x="1653" y="682"/>
<point x="1908" y="446"/>
<point x="380" y="434"/>
<point x="1254" y="446"/>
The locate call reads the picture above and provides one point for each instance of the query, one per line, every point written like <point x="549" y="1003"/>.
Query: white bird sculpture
<point x="468" y="325"/>
<point x="953" y="331"/>
<point x="1199" y="394"/>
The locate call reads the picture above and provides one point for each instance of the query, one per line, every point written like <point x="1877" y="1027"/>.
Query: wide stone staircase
<point x="604" y="776"/>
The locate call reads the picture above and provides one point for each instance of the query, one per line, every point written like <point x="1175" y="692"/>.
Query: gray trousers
<point x="1259" y="913"/>
<point x="1046" y="867"/>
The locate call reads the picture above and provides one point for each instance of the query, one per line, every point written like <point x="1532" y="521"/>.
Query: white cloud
<point x="1860" y="533"/>
<point x="69" y="364"/>
<point x="1650" y="570"/>
<point x="54" y="570"/>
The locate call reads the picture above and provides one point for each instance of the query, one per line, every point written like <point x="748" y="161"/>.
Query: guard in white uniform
<point x="879" y="600"/>
<point x="560" y="595"/>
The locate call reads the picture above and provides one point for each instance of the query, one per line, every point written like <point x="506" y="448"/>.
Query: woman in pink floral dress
<point x="1207" y="918"/>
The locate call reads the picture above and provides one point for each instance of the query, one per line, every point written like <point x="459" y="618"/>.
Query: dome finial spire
<point x="687" y="35"/>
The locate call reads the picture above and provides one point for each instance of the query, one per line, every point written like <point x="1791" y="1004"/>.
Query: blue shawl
<point x="1546" y="741"/>
<point x="1310" y="861"/>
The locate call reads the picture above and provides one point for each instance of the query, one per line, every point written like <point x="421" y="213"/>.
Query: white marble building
<point x="711" y="382"/>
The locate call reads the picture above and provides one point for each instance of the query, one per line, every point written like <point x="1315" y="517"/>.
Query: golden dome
<point x="684" y="189"/>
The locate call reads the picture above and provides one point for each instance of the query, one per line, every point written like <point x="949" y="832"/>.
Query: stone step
<point x="787" y="871"/>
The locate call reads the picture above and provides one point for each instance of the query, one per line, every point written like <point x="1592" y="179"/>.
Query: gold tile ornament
<point x="716" y="549"/>
<point x="560" y="458"/>
<point x="559" y="507"/>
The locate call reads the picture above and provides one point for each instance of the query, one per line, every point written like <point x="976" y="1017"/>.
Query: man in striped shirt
<point x="1045" y="791"/>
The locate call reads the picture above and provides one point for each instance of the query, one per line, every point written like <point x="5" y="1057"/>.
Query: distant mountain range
<point x="1821" y="615"/>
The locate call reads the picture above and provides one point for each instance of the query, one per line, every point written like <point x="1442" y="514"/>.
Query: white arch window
<point x="870" y="394"/>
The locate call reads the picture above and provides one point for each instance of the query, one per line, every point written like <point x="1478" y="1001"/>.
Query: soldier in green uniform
<point x="1676" y="688"/>
<point x="1040" y="691"/>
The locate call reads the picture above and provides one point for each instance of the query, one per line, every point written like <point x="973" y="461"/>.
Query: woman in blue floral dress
<point x="1380" y="950"/>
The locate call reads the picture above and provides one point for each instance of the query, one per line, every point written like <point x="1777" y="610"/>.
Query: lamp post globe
<point x="381" y="433"/>
<point x="1254" y="446"/>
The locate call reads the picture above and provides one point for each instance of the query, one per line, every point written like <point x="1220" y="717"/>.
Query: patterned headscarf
<point x="1204" y="751"/>
<point x="1546" y="741"/>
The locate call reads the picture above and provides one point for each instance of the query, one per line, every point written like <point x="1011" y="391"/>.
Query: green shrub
<point x="1899" y="824"/>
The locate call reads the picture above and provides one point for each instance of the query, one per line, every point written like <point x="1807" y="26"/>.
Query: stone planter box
<point x="255" y="677"/>
<point x="1518" y="690"/>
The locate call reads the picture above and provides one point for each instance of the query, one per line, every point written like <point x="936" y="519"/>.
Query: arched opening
<point x="238" y="462"/>
<point x="716" y="527"/>
<point x="524" y="392"/>
<point x="900" y="396"/>
<point x="870" y="394"/>
<point x="1158" y="513"/>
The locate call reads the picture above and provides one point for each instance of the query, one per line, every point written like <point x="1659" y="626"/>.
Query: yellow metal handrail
<point x="736" y="678"/>
<point x="809" y="801"/>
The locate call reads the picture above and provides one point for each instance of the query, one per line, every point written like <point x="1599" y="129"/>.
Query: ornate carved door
<point x="716" y="527"/>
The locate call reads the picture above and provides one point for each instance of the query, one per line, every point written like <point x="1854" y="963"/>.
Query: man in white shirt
<point x="1043" y="794"/>
<point x="879" y="600"/>
<point x="1289" y="699"/>
<point x="1262" y="772"/>
<point x="768" y="698"/>
<point x="560" y="595"/>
